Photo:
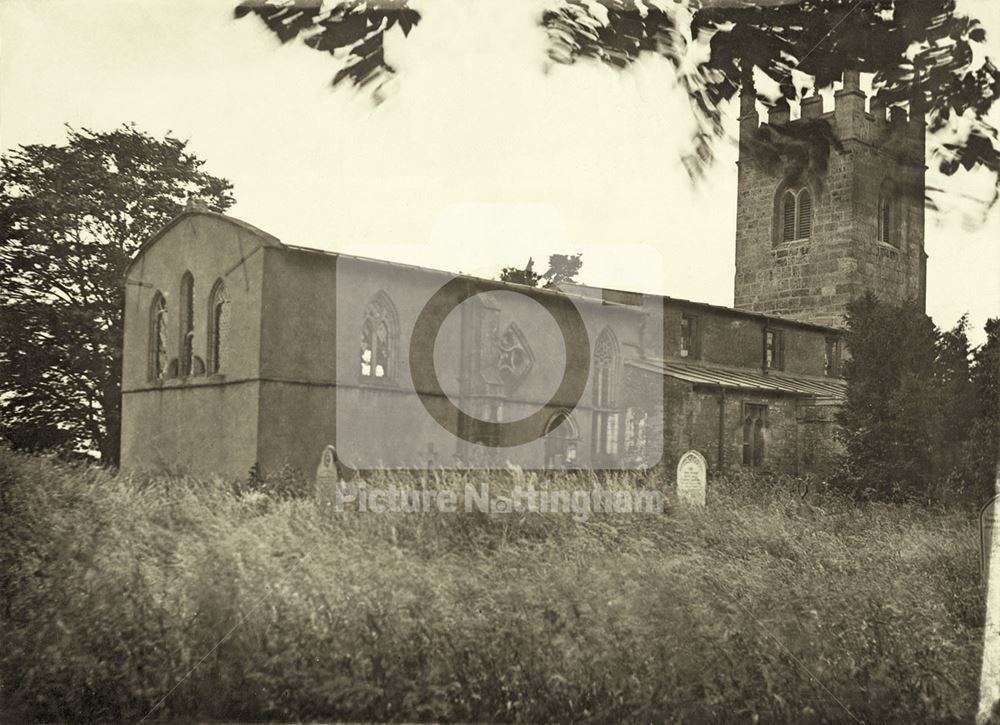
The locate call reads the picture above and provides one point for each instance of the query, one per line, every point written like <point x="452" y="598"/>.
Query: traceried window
<point x="561" y="439"/>
<point x="378" y="338"/>
<point x="754" y="423"/>
<point x="690" y="337"/>
<point x="887" y="213"/>
<point x="796" y="214"/>
<point x="218" y="328"/>
<point x="157" y="337"/>
<point x="605" y="371"/>
<point x="774" y="350"/>
<point x="186" y="345"/>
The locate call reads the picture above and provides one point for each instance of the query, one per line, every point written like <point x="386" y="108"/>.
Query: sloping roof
<point x="602" y="295"/>
<point x="268" y="240"/>
<point x="822" y="389"/>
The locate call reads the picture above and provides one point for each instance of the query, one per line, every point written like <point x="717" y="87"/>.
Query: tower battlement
<point x="849" y="119"/>
<point x="830" y="205"/>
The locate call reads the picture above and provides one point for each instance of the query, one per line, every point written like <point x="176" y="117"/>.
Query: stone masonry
<point x="870" y="157"/>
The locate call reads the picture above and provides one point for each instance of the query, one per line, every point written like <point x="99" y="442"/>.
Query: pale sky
<point x="477" y="159"/>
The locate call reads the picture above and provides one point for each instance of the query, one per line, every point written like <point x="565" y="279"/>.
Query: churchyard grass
<point x="124" y="593"/>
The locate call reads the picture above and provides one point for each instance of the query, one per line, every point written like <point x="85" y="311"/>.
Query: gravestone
<point x="987" y="529"/>
<point x="327" y="476"/>
<point x="691" y="478"/>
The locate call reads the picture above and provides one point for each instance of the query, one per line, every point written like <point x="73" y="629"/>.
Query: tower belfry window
<point x="887" y="215"/>
<point x="803" y="216"/>
<point x="796" y="214"/>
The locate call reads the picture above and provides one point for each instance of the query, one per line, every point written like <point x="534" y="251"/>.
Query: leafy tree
<point x="914" y="424"/>
<point x="73" y="215"/>
<point x="921" y="52"/>
<point x="980" y="453"/>
<point x="887" y="420"/>
<point x="527" y="276"/>
<point x="563" y="269"/>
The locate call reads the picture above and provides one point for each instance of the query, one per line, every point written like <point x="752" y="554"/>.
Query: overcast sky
<point x="478" y="158"/>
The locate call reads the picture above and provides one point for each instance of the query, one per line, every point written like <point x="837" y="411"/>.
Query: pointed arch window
<point x="186" y="344"/>
<point x="804" y="215"/>
<point x="606" y="367"/>
<point x="379" y="339"/>
<point x="795" y="214"/>
<point x="887" y="214"/>
<point x="754" y="425"/>
<point x="218" y="328"/>
<point x="157" y="338"/>
<point x="561" y="439"/>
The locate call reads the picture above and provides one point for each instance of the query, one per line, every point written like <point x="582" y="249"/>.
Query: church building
<point x="243" y="350"/>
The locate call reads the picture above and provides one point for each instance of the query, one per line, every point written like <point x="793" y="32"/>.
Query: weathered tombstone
<point x="691" y="478"/>
<point x="987" y="527"/>
<point x="327" y="477"/>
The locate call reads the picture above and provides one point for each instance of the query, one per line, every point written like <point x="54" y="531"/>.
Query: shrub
<point x="122" y="594"/>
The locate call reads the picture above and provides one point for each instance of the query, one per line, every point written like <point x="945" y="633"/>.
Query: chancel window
<point x="690" y="337"/>
<point x="605" y="371"/>
<point x="157" y="337"/>
<point x="774" y="350"/>
<point x="754" y="424"/>
<point x="218" y="328"/>
<point x="561" y="438"/>
<point x="378" y="338"/>
<point x="796" y="214"/>
<point x="187" y="324"/>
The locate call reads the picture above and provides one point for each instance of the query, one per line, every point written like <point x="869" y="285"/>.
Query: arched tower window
<point x="804" y="215"/>
<point x="606" y="367"/>
<point x="379" y="338"/>
<point x="788" y="216"/>
<point x="887" y="214"/>
<point x="186" y="345"/>
<point x="157" y="337"/>
<point x="795" y="214"/>
<point x="218" y="327"/>
<point x="561" y="439"/>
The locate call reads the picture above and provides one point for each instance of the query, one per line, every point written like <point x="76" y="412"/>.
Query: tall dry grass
<point x="121" y="594"/>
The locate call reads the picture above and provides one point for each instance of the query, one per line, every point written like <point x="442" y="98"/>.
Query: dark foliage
<point x="73" y="215"/>
<point x="917" y="423"/>
<point x="353" y="30"/>
<point x="921" y="52"/>
<point x="563" y="269"/>
<point x="287" y="483"/>
<point x="172" y="599"/>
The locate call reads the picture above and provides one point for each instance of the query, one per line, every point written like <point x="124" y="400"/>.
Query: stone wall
<point x="814" y="279"/>
<point x="735" y="339"/>
<point x="692" y="420"/>
<point x="200" y="422"/>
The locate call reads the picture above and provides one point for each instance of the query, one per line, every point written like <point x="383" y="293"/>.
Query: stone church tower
<point x="830" y="206"/>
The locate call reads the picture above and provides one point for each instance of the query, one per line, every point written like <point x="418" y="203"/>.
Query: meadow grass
<point x="121" y="593"/>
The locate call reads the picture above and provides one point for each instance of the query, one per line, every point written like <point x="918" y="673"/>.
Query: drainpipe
<point x="721" y="456"/>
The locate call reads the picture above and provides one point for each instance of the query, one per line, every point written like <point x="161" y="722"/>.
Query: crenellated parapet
<point x="830" y="204"/>
<point x="852" y="118"/>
